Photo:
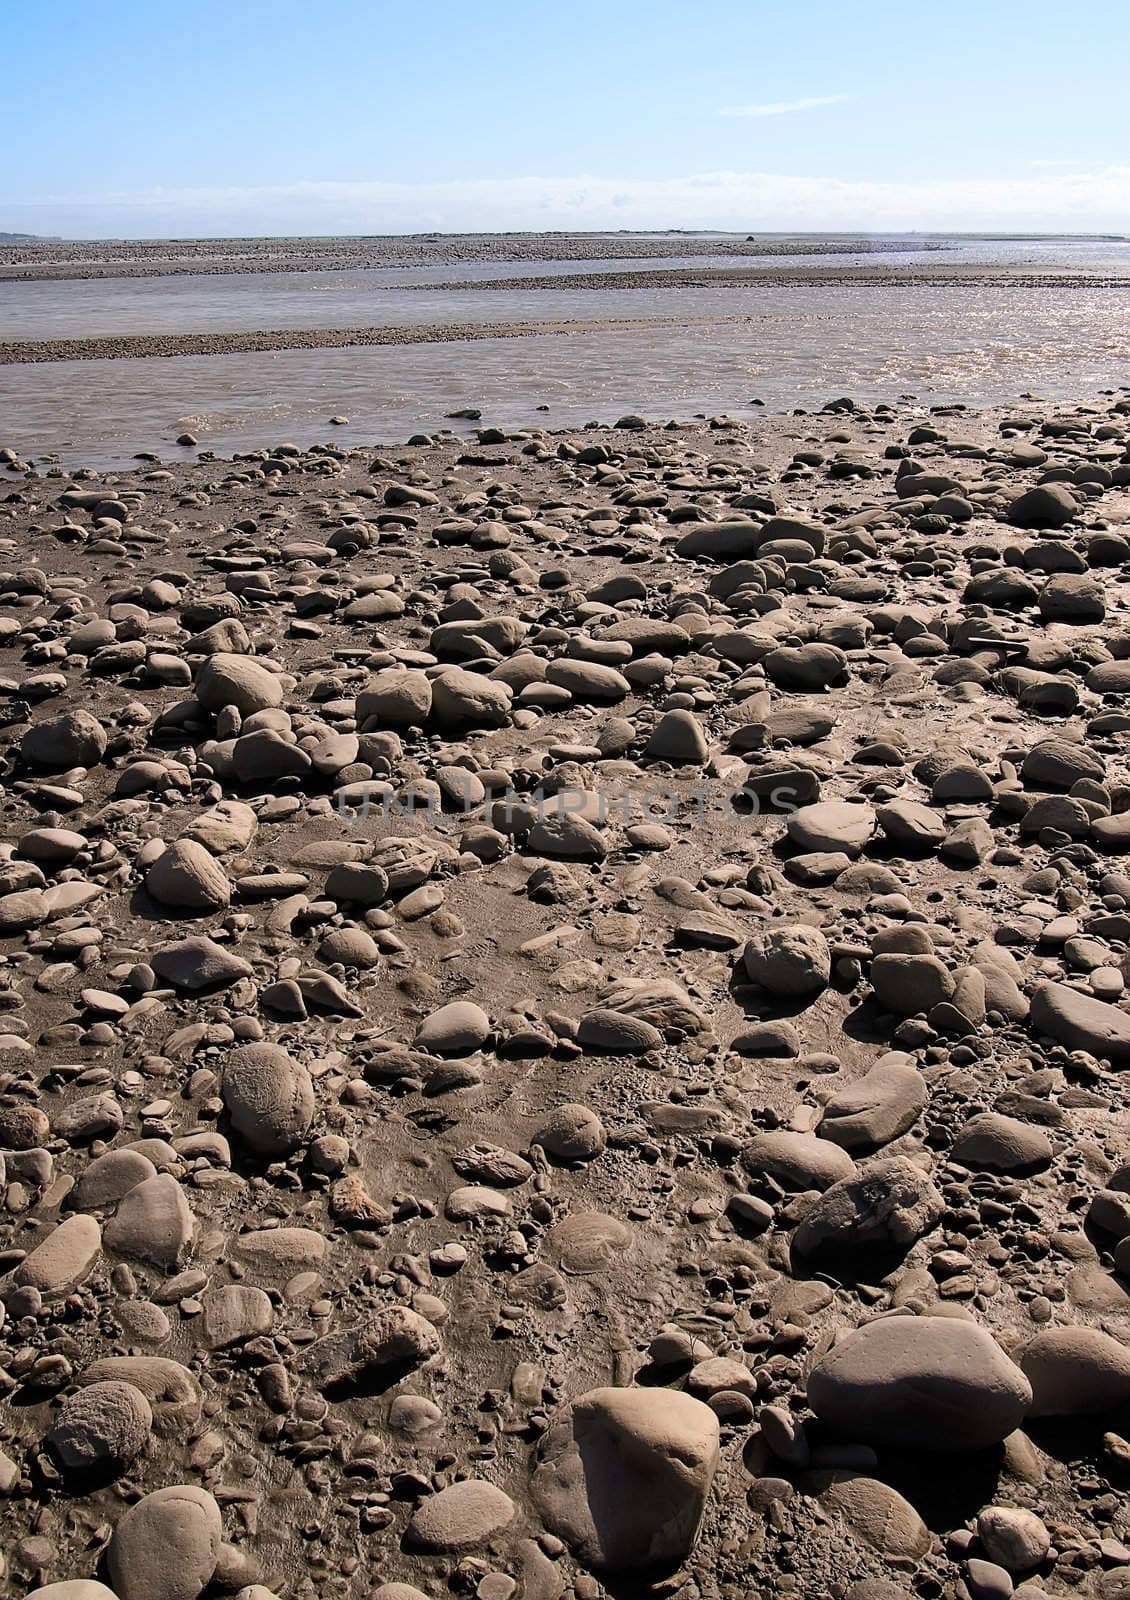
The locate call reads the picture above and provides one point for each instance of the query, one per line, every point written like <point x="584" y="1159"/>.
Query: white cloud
<point x="780" y="108"/>
<point x="1089" y="200"/>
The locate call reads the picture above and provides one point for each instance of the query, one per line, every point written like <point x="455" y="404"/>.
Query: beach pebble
<point x="1003" y="1144"/>
<point x="153" y="1223"/>
<point x="392" y="1339"/>
<point x="454" y="1029"/>
<point x="75" y="739"/>
<point x="460" y="1518"/>
<point x="887" y="1205"/>
<point x="236" y="680"/>
<point x="791" y="960"/>
<point x="187" y="877"/>
<point x="73" y="1589"/>
<point x="884" y="1103"/>
<point x="571" y="1133"/>
<point x="63" y="1259"/>
<point x="1014" y="1538"/>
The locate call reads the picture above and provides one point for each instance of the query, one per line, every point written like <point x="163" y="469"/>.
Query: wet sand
<point x="123" y="347"/>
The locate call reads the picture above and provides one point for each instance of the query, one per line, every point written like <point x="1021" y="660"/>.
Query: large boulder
<point x="1060" y="763"/>
<point x="1076" y="1372"/>
<point x="920" y="1383"/>
<point x="76" y="739"/>
<point x="239" y="681"/>
<point x="269" y="1098"/>
<point x="624" y="1035"/>
<point x="1072" y="597"/>
<point x="788" y="959"/>
<point x="1081" y="1023"/>
<point x="166" y="1546"/>
<point x="888" y="1205"/>
<point x="624" y="1477"/>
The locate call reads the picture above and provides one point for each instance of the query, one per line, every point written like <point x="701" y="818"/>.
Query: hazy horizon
<point x="1076" y="204"/>
<point x="1019" y="236"/>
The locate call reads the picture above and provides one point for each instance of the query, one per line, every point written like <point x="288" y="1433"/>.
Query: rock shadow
<point x="371" y="1383"/>
<point x="944" y="1498"/>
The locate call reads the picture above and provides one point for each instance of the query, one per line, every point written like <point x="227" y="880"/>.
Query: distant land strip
<point x="948" y="277"/>
<point x="167" y="258"/>
<point x="222" y="342"/>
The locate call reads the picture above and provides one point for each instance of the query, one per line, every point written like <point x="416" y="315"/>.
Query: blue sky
<point x="129" y="118"/>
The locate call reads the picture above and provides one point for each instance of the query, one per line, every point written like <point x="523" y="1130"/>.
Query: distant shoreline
<point x="115" y="258"/>
<point x="884" y="277"/>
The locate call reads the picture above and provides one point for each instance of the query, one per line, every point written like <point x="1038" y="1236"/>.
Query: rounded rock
<point x="571" y="1133"/>
<point x="1015" y="1539"/>
<point x="1076" y="1372"/>
<point x="231" y="680"/>
<point x="105" y="1425"/>
<point x="791" y="960"/>
<point x="922" y="1383"/>
<point x="166" y="1546"/>
<point x="454" y="1029"/>
<point x="75" y="739"/>
<point x="187" y="877"/>
<point x="624" y="1477"/>
<point x="460" y="1518"/>
<point x="832" y="825"/>
<point x="269" y="1098"/>
<point x="1001" y="1144"/>
<point x="73" y="1589"/>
